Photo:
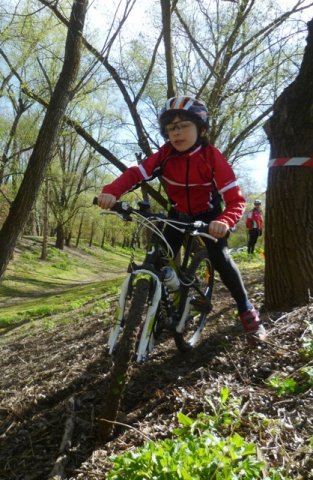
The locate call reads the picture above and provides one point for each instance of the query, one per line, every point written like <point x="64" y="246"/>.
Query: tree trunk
<point x="167" y="35"/>
<point x="60" y="237"/>
<point x="103" y="238"/>
<point x="45" y="227"/>
<point x="80" y="230"/>
<point x="68" y="238"/>
<point x="44" y="146"/>
<point x="289" y="204"/>
<point x="289" y="238"/>
<point x="92" y="232"/>
<point x="20" y="109"/>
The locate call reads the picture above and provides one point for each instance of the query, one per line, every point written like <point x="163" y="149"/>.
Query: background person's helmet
<point x="189" y="107"/>
<point x="257" y="202"/>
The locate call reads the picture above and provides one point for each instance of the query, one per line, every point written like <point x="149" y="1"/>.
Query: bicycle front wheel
<point x="200" y="275"/>
<point x="124" y="352"/>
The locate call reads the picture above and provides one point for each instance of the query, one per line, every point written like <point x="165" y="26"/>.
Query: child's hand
<point x="218" y="229"/>
<point x="106" y="200"/>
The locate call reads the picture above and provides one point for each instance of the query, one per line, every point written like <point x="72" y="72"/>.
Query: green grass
<point x="52" y="303"/>
<point x="250" y="261"/>
<point x="68" y="280"/>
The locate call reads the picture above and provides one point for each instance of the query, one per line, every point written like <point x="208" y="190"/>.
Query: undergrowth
<point x="209" y="447"/>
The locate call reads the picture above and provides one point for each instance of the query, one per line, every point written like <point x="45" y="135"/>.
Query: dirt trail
<point x="43" y="375"/>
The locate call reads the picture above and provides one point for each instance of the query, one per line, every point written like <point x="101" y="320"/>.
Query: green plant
<point x="282" y="385"/>
<point x="197" y="451"/>
<point x="294" y="384"/>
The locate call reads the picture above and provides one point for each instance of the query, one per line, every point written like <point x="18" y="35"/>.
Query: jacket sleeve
<point x="227" y="186"/>
<point x="133" y="177"/>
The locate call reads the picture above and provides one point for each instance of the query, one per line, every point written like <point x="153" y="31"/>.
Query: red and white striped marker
<point x="291" y="162"/>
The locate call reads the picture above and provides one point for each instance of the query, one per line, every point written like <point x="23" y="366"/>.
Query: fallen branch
<point x="114" y="422"/>
<point x="57" y="473"/>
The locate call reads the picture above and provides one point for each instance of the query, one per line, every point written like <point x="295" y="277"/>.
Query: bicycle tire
<point x="201" y="269"/>
<point x="123" y="354"/>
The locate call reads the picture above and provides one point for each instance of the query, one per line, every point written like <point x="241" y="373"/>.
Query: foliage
<point x="292" y="384"/>
<point x="201" y="449"/>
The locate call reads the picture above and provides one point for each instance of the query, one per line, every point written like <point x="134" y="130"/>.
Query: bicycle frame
<point x="148" y="270"/>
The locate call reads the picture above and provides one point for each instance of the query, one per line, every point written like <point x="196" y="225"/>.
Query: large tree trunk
<point x="44" y="146"/>
<point x="289" y="205"/>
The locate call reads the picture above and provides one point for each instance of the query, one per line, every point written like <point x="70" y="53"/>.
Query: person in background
<point x="198" y="180"/>
<point x="254" y="224"/>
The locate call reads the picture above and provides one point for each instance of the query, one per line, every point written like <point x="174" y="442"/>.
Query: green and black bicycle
<point x="158" y="296"/>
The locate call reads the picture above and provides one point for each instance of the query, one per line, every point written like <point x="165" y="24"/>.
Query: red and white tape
<point x="291" y="162"/>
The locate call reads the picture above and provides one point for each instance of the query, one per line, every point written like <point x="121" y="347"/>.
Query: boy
<point x="197" y="178"/>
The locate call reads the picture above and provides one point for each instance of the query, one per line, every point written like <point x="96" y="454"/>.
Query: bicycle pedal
<point x="201" y="305"/>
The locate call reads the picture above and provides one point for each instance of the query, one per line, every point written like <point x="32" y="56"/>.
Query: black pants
<point x="220" y="258"/>
<point x="253" y="237"/>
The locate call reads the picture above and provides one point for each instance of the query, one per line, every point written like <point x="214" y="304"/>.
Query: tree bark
<point x="167" y="35"/>
<point x="80" y="230"/>
<point x="45" y="223"/>
<point x="60" y="237"/>
<point x="289" y="204"/>
<point x="43" y="150"/>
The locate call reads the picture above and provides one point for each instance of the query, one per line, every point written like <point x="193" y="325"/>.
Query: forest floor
<point x="54" y="378"/>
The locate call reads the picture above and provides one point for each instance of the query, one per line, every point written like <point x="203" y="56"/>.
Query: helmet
<point x="257" y="202"/>
<point x="188" y="106"/>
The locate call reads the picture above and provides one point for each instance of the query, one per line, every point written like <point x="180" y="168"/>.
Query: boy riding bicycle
<point x="197" y="179"/>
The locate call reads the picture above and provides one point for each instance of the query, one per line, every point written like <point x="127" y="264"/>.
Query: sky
<point x="257" y="169"/>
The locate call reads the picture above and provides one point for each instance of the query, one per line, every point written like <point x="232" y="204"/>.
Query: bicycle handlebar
<point x="194" y="228"/>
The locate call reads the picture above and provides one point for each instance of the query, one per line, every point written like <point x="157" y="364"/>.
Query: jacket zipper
<point x="187" y="182"/>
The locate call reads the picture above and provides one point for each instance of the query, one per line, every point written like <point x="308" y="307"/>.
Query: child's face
<point x="182" y="134"/>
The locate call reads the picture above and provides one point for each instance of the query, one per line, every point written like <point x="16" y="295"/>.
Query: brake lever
<point x="203" y="234"/>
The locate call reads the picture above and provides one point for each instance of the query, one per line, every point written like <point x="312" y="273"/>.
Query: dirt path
<point x="43" y="375"/>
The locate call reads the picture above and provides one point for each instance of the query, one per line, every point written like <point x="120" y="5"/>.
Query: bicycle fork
<point x="146" y="342"/>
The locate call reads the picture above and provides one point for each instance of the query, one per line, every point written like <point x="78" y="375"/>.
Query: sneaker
<point x="252" y="324"/>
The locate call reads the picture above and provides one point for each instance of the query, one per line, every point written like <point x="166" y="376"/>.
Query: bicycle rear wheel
<point x="124" y="352"/>
<point x="200" y="273"/>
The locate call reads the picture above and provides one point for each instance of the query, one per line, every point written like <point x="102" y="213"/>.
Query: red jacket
<point x="195" y="181"/>
<point x="254" y="219"/>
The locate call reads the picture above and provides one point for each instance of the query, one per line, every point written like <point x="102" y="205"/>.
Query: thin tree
<point x="45" y="221"/>
<point x="289" y="205"/>
<point x="167" y="36"/>
<point x="44" y="147"/>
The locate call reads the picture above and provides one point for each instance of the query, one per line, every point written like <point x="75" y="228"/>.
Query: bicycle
<point x="157" y="296"/>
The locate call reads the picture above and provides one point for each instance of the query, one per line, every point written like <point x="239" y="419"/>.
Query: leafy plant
<point x="283" y="385"/>
<point x="197" y="451"/>
<point x="292" y="385"/>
